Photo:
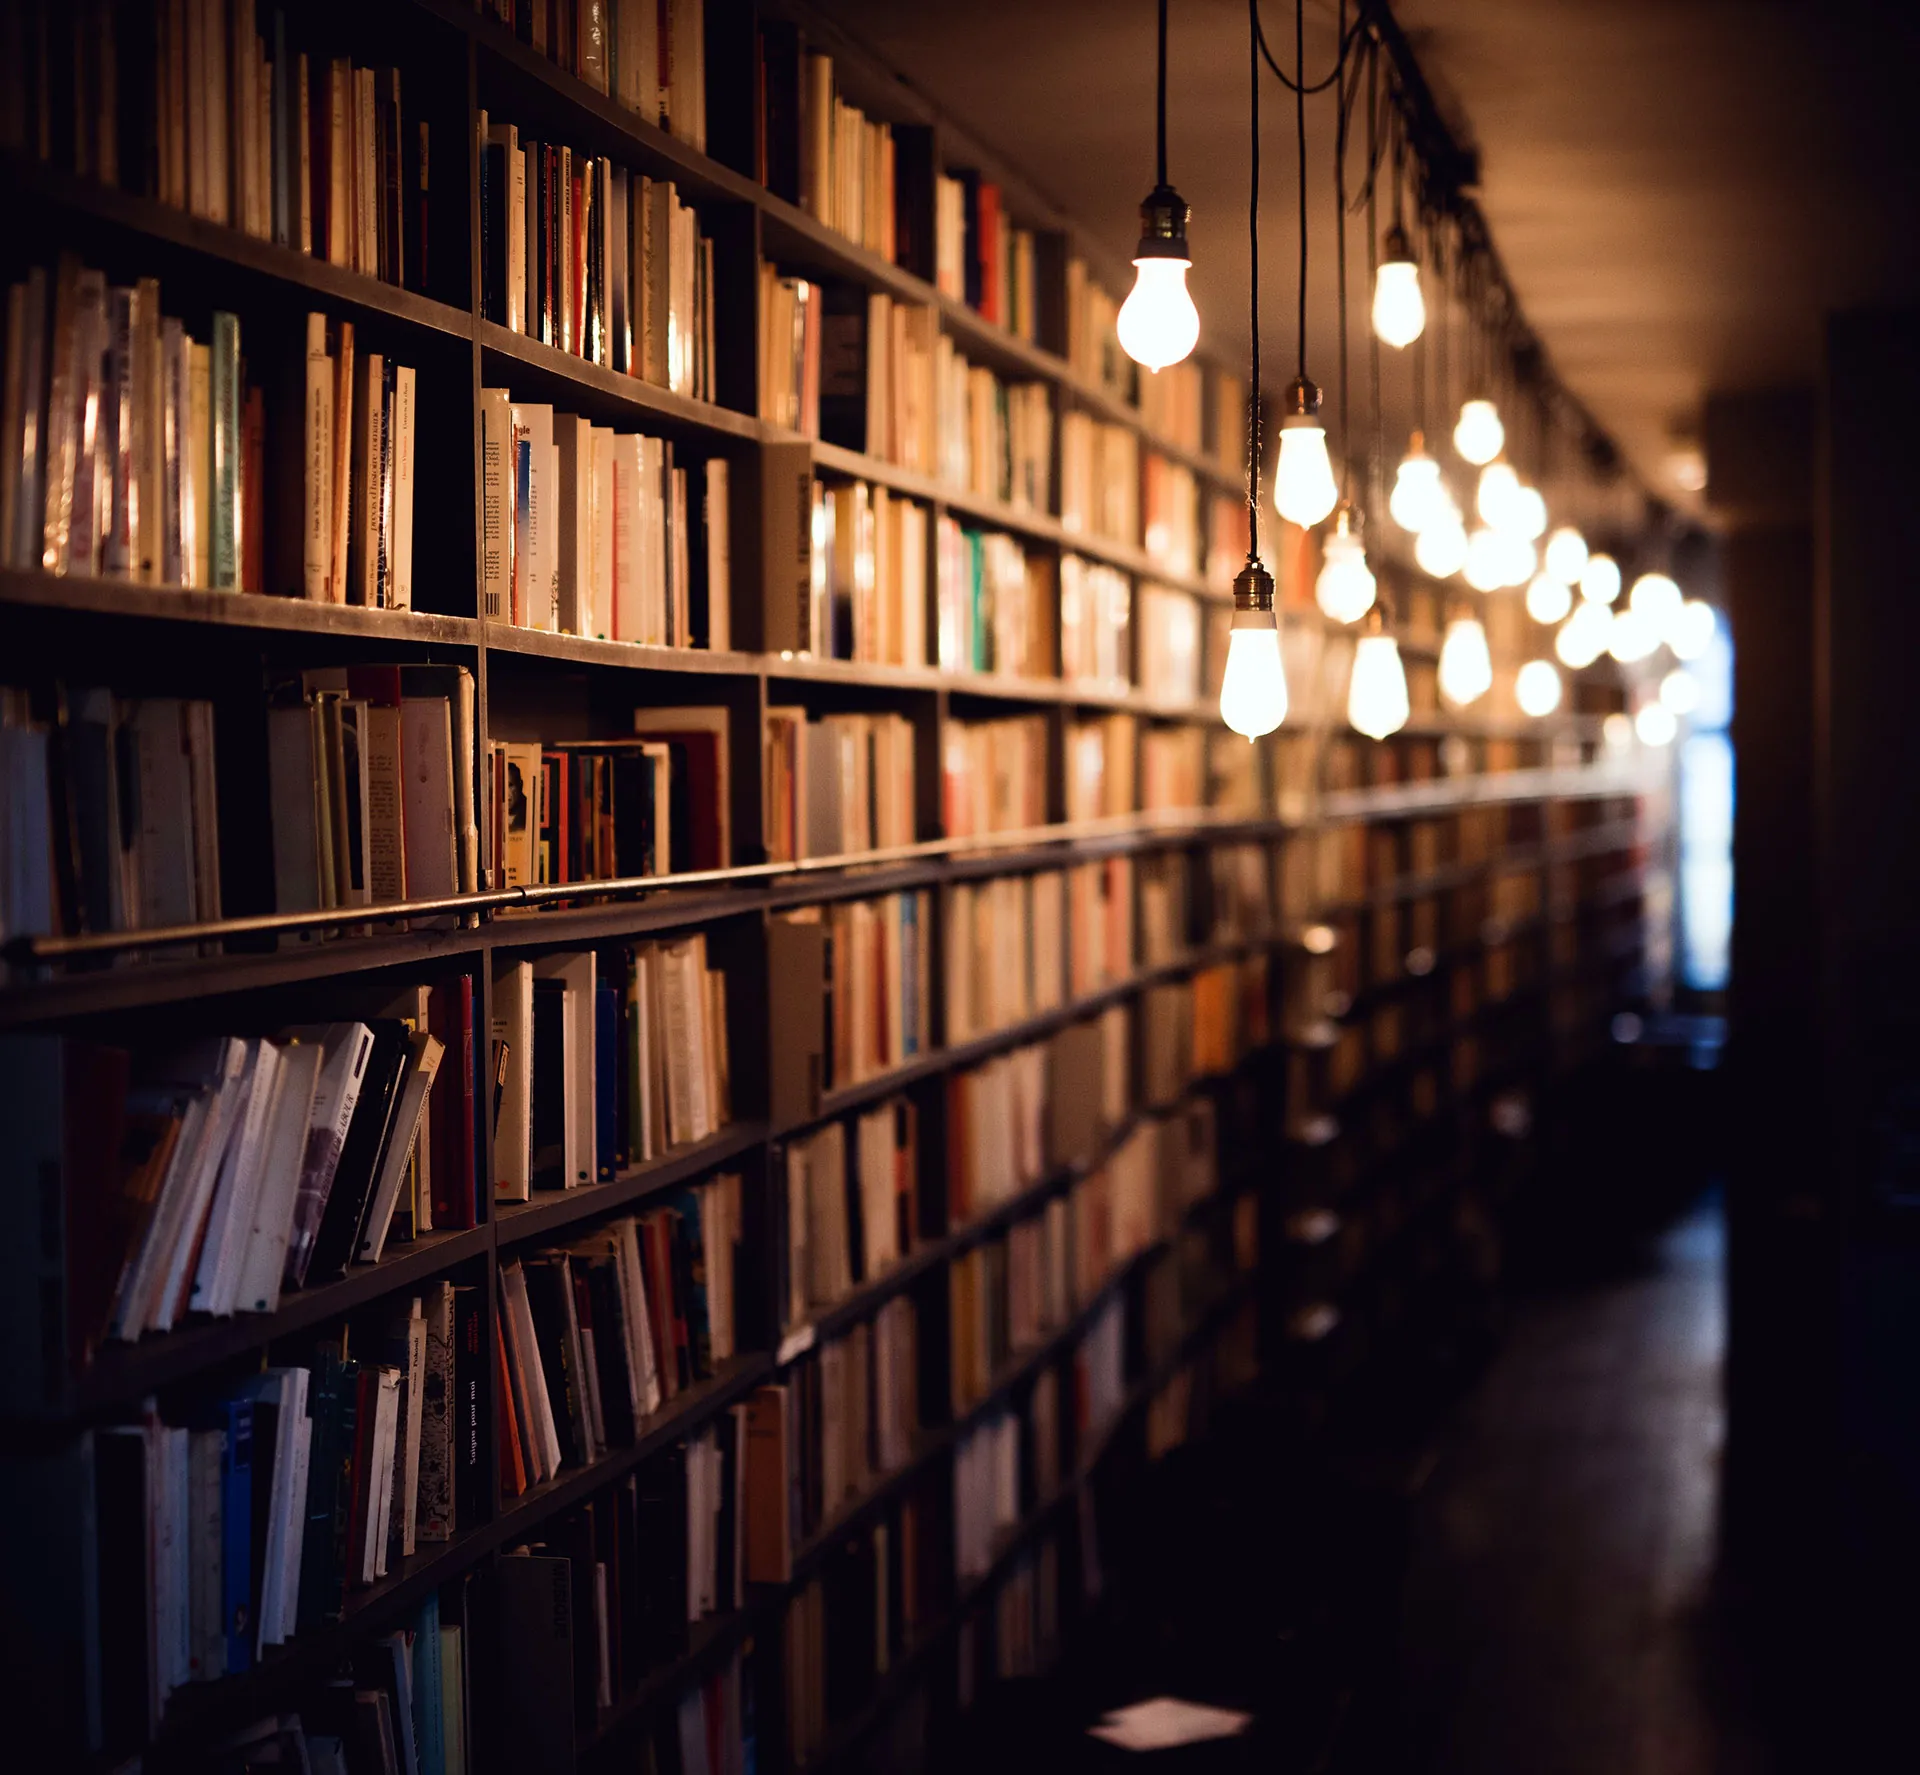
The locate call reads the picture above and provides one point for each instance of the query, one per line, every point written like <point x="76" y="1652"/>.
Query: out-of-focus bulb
<point x="1399" y="310"/>
<point x="1548" y="598"/>
<point x="1527" y="514"/>
<point x="1418" y="498"/>
<point x="1658" y="599"/>
<point x="1345" y="587"/>
<point x="1486" y="561"/>
<point x="1466" y="667"/>
<point x="1493" y="498"/>
<point x="1442" y="548"/>
<point x="1655" y="725"/>
<point x="1567" y="555"/>
<point x="1616" y="732"/>
<point x="1479" y="435"/>
<point x="1158" y="323"/>
<point x="1600" y="579"/>
<point x="1303" y="485"/>
<point x="1518" y="558"/>
<point x="1680" y="691"/>
<point x="1583" y="636"/>
<point x="1253" y="691"/>
<point x="1691" y="632"/>
<point x="1631" y="636"/>
<point x="1377" y="692"/>
<point x="1536" y="688"/>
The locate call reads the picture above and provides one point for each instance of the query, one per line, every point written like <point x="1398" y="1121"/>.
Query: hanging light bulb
<point x="1377" y="692"/>
<point x="1479" y="436"/>
<point x="1548" y="597"/>
<point x="1567" y="555"/>
<point x="1691" y="633"/>
<point x="1632" y="635"/>
<point x="1441" y="550"/>
<point x="1518" y="558"/>
<point x="1600" y="579"/>
<point x="1418" y="496"/>
<point x="1399" y="310"/>
<point x="1345" y="587"/>
<point x="1466" y="667"/>
<point x="1616" y="732"/>
<point x="1658" y="599"/>
<point x="1536" y="688"/>
<point x="1527" y="513"/>
<point x="1158" y="324"/>
<point x="1303" y="485"/>
<point x="1655" y="724"/>
<point x="1486" y="562"/>
<point x="1680" y="691"/>
<point x="1583" y="636"/>
<point x="1493" y="498"/>
<point x="1253" y="692"/>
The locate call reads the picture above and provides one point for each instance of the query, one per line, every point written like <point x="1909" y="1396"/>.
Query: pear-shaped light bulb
<point x="1345" y="587"/>
<point x="1527" y="513"/>
<point x="1399" y="309"/>
<point x="1158" y="323"/>
<point x="1536" y="688"/>
<point x="1567" y="555"/>
<point x="1493" y="497"/>
<point x="1253" y="692"/>
<point x="1616" y="732"/>
<point x="1303" y="485"/>
<point x="1441" y="550"/>
<point x="1600" y="579"/>
<point x="1418" y="497"/>
<point x="1632" y="635"/>
<point x="1466" y="667"/>
<point x="1583" y="636"/>
<point x="1655" y="724"/>
<point x="1486" y="566"/>
<point x="1518" y="558"/>
<point x="1680" y="691"/>
<point x="1377" y="692"/>
<point x="1479" y="436"/>
<point x="1658" y="599"/>
<point x="1691" y="632"/>
<point x="1548" y="598"/>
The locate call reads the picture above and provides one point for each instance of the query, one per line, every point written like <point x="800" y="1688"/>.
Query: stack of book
<point x="1005" y="948"/>
<point x="1170" y="506"/>
<point x="1093" y="338"/>
<point x="583" y="255"/>
<point x="996" y="1131"/>
<point x="788" y="351"/>
<point x="1099" y="479"/>
<point x="851" y="1207"/>
<point x="1095" y="637"/>
<point x="995" y="437"/>
<point x="110" y="809"/>
<point x="867" y="575"/>
<point x="1003" y="1297"/>
<point x="368" y="808"/>
<point x="995" y="775"/>
<point x="605" y="1060"/>
<point x="838" y="785"/>
<point x="980" y="257"/>
<point x="993" y="603"/>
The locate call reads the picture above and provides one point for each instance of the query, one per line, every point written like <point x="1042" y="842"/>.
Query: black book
<point x="781" y="60"/>
<point x="913" y="245"/>
<point x="546" y="1280"/>
<point x="972" y="264"/>
<point x="333" y="1403"/>
<point x="635" y="1567"/>
<point x="535" y="1664"/>
<point x="609" y="1348"/>
<point x="470" y="1381"/>
<point x="633" y="812"/>
<point x="120" y="1513"/>
<point x="361" y="1152"/>
<point x="493" y="232"/>
<point x="843" y="366"/>
<point x="548" y="1168"/>
<point x="662" y="1519"/>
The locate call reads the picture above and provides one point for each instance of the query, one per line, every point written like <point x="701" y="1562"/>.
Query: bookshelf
<point x="1314" y="1014"/>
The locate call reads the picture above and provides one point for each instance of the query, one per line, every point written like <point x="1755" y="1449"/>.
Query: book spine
<point x="224" y="538"/>
<point x="317" y="470"/>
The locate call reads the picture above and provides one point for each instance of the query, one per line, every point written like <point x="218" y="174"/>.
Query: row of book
<point x="851" y="1207"/>
<point x="839" y="784"/>
<point x="1170" y="508"/>
<point x="1004" y="1297"/>
<point x="1005" y="950"/>
<point x="597" y="1336"/>
<point x="1096" y="604"/>
<point x="995" y="436"/>
<point x="1099" y="479"/>
<point x="649" y="56"/>
<point x="980" y="257"/>
<point x="885" y="371"/>
<point x="1101" y="775"/>
<point x="994" y="775"/>
<point x="604" y="1060"/>
<point x="992" y="602"/>
<point x="590" y="531"/>
<point x="596" y="261"/>
<point x="220" y="1173"/>
<point x="846" y="159"/>
<point x="866" y="588"/>
<point x="224" y="109"/>
<point x="1093" y="336"/>
<point x="368" y="804"/>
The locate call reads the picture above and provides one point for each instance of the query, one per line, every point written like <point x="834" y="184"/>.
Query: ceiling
<point x="1680" y="189"/>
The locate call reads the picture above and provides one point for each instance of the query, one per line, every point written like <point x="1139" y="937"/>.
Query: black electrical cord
<point x="1253" y="297"/>
<point x="1300" y="155"/>
<point x="1160" y="161"/>
<point x="1286" y="80"/>
<point x="1375" y="453"/>
<point x="1339" y="266"/>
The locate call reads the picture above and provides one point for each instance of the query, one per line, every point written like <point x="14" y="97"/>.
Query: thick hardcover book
<point x="366" y="1141"/>
<point x="662" y="1507"/>
<point x="470" y="1389"/>
<point x="534" y="1596"/>
<point x="450" y="1017"/>
<point x="224" y="562"/>
<point x="333" y="1398"/>
<point x="547" y="1287"/>
<point x="551" y="1068"/>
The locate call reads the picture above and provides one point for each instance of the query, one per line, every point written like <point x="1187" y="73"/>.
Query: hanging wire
<point x="1285" y="79"/>
<point x="1375" y="452"/>
<point x="1161" y="140"/>
<point x="1300" y="151"/>
<point x="1340" y="274"/>
<point x="1253" y="298"/>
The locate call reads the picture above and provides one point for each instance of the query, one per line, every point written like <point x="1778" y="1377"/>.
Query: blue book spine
<point x="606" y="1080"/>
<point x="236" y="1535"/>
<point x="429" y="1721"/>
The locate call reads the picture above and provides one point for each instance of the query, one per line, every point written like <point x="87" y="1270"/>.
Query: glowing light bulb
<point x="1583" y="636"/>
<point x="1658" y="599"/>
<point x="1479" y="435"/>
<point x="1418" y="497"/>
<point x="1536" y="688"/>
<point x="1158" y="323"/>
<point x="1493" y="498"/>
<point x="1377" y="692"/>
<point x="1518" y="558"/>
<point x="1442" y="548"/>
<point x="1466" y="667"/>
<point x="1345" y="587"/>
<point x="1616" y="732"/>
<point x="1486" y="561"/>
<point x="1680" y="691"/>
<point x="1253" y="689"/>
<point x="1548" y="598"/>
<point x="1632" y="635"/>
<point x="1303" y="485"/>
<point x="1655" y="725"/>
<point x="1399" y="310"/>
<point x="1600" y="579"/>
<point x="1567" y="555"/>
<point x="1691" y="632"/>
<point x="1527" y="514"/>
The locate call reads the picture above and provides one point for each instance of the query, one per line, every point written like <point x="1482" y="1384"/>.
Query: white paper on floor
<point x="1164" y="1722"/>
